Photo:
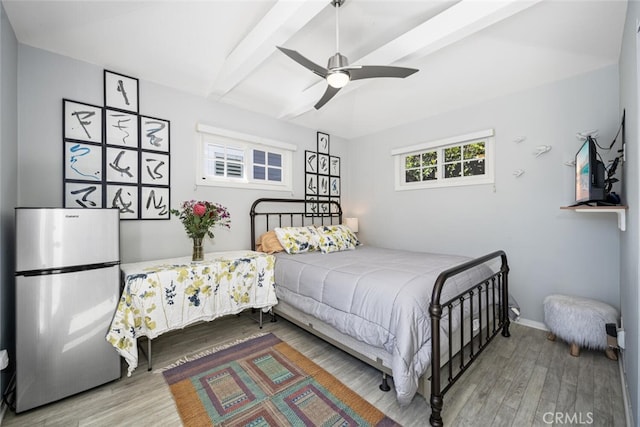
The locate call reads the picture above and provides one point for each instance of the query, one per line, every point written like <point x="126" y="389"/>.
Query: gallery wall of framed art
<point x="322" y="177"/>
<point x="115" y="157"/>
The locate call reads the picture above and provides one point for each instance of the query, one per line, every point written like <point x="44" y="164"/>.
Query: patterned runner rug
<point x="265" y="382"/>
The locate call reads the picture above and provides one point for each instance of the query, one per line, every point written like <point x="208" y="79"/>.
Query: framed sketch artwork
<point x="115" y="157"/>
<point x="323" y="143"/>
<point x="120" y="92"/>
<point x="82" y="122"/>
<point x="121" y="128"/>
<point x="154" y="134"/>
<point x="154" y="203"/>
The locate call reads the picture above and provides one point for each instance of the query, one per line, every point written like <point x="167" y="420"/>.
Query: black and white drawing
<point x="122" y="165"/>
<point x="120" y="92"/>
<point x="154" y="168"/>
<point x="310" y="161"/>
<point x="154" y="203"/>
<point x="125" y="198"/>
<point x="121" y="128"/>
<point x="82" y="122"/>
<point x="323" y="143"/>
<point x="82" y="195"/>
<point x="154" y="134"/>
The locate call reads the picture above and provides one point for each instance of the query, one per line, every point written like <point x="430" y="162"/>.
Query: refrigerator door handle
<point x="63" y="270"/>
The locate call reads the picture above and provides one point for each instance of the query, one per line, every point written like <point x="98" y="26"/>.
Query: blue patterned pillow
<point x="334" y="238"/>
<point x="297" y="240"/>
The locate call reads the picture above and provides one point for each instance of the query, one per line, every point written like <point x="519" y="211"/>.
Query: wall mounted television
<point x="590" y="174"/>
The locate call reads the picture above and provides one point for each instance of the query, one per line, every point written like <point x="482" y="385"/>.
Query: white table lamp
<point x="352" y="223"/>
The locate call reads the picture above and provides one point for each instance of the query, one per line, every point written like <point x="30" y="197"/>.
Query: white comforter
<point x="378" y="296"/>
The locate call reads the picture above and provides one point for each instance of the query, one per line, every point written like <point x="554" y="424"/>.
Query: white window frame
<point x="247" y="143"/>
<point x="400" y="154"/>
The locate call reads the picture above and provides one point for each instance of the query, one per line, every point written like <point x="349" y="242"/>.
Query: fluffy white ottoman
<point x="580" y="322"/>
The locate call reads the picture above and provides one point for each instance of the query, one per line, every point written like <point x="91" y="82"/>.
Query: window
<point x="461" y="160"/>
<point x="231" y="159"/>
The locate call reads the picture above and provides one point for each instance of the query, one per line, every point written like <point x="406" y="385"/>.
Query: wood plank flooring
<point x="524" y="380"/>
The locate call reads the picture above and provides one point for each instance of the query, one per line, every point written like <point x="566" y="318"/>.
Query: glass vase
<point x="198" y="252"/>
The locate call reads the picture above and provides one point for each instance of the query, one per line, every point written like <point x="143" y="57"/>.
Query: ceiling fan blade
<point x="317" y="69"/>
<point x="374" y="71"/>
<point x="328" y="94"/>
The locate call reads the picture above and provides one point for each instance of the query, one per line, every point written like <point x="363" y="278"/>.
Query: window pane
<point x="412" y="175"/>
<point x="429" y="174"/>
<point x="258" y="172"/>
<point x="412" y="161"/>
<point x="452" y="170"/>
<point x="474" y="151"/>
<point x="452" y="154"/>
<point x="275" y="159"/>
<point x="275" y="174"/>
<point x="474" y="167"/>
<point x="258" y="157"/>
<point x="430" y="158"/>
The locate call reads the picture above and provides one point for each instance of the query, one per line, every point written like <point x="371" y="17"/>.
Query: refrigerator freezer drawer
<point x="61" y="324"/>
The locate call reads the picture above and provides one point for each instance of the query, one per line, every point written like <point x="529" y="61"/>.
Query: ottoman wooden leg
<point x="611" y="353"/>
<point x="574" y="350"/>
<point x="551" y="336"/>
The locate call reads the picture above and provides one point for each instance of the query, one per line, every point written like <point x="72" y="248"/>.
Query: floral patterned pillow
<point x="297" y="240"/>
<point x="335" y="238"/>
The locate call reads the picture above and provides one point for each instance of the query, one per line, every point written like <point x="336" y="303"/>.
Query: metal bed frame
<point x="464" y="345"/>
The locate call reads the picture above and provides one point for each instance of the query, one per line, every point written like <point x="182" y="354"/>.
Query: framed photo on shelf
<point x="82" y="122"/>
<point x="121" y="128"/>
<point x="154" y="203"/>
<point x="120" y="92"/>
<point x="323" y="143"/>
<point x="82" y="194"/>
<point x="125" y="198"/>
<point x="154" y="134"/>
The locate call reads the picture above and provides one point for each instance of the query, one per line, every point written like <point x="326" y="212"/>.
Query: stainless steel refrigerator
<point x="67" y="290"/>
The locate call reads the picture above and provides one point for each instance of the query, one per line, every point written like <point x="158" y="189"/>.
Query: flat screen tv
<point x="589" y="174"/>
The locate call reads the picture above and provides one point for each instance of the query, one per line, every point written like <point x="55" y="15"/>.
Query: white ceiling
<point x="467" y="51"/>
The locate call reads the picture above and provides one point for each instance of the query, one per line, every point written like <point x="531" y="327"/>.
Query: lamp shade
<point x="352" y="223"/>
<point x="338" y="79"/>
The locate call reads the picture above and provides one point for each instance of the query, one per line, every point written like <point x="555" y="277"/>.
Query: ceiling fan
<point x="338" y="72"/>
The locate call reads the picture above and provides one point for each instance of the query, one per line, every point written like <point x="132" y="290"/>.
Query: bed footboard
<point x="493" y="293"/>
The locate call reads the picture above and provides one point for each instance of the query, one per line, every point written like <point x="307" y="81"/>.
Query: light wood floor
<point x="524" y="380"/>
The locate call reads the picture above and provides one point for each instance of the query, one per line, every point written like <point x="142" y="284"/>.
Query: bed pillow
<point x="269" y="243"/>
<point x="334" y="238"/>
<point x="297" y="240"/>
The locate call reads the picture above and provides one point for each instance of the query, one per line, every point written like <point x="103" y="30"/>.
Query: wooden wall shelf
<point x="621" y="211"/>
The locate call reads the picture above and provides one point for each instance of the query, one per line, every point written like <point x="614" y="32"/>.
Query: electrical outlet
<point x="4" y="359"/>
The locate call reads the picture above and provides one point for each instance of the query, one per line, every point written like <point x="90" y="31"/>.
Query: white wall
<point x="549" y="250"/>
<point x="45" y="79"/>
<point x="8" y="189"/>
<point x="630" y="243"/>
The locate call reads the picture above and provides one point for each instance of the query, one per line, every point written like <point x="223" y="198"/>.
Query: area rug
<point x="264" y="381"/>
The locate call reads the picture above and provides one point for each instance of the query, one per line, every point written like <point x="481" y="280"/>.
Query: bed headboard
<point x="267" y="214"/>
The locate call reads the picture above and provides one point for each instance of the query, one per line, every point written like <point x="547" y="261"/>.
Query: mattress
<point x="378" y="296"/>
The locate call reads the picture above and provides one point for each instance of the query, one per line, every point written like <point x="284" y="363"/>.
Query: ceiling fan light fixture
<point x="338" y="79"/>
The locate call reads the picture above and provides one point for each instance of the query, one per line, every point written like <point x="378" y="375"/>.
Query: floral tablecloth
<point x="161" y="296"/>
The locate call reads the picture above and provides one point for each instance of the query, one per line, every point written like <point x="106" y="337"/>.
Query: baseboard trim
<point x="532" y="324"/>
<point x="628" y="414"/>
